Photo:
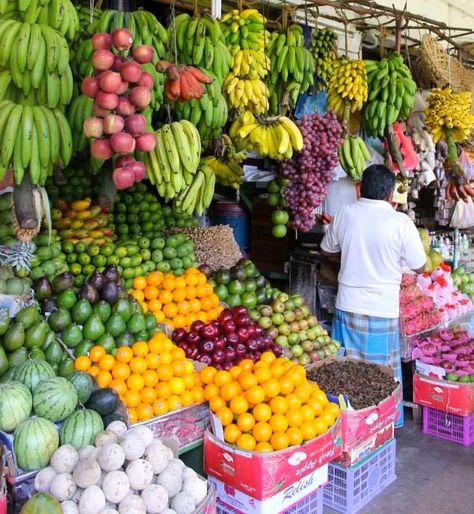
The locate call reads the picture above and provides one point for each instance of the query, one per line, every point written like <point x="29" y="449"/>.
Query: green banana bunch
<point x="226" y="162"/>
<point x="391" y="93"/>
<point x="353" y="155"/>
<point x="197" y="196"/>
<point x="37" y="57"/>
<point x="172" y="164"/>
<point x="79" y="110"/>
<point x="323" y="48"/>
<point x="200" y="42"/>
<point x="292" y="68"/>
<point x="60" y="15"/>
<point x="209" y="113"/>
<point x="34" y="139"/>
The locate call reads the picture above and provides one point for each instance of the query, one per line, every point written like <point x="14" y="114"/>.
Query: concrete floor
<point x="433" y="477"/>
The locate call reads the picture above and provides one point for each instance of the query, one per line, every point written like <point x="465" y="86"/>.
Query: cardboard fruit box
<point x="263" y="475"/>
<point x="360" y="425"/>
<point x="454" y="397"/>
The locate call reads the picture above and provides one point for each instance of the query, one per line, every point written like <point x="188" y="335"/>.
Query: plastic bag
<point x="463" y="214"/>
<point x="467" y="165"/>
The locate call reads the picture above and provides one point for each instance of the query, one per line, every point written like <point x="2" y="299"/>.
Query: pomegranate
<point x="107" y="100"/>
<point x="124" y="107"/>
<point x="131" y="71"/>
<point x="146" y="80"/>
<point x="102" y="59"/>
<point x="122" y="143"/>
<point x="123" y="178"/>
<point x="93" y="127"/>
<point x="113" y="123"/>
<point x="122" y="39"/>
<point x="119" y="61"/>
<point x="101" y="149"/>
<point x="146" y="142"/>
<point x="143" y="53"/>
<point x="101" y="41"/>
<point x="140" y="97"/>
<point x="135" y="124"/>
<point x="90" y="86"/>
<point x="110" y="82"/>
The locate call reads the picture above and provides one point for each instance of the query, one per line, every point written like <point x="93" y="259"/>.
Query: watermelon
<point x="15" y="405"/>
<point x="33" y="371"/>
<point x="54" y="399"/>
<point x="34" y="442"/>
<point x="81" y="428"/>
<point x="83" y="383"/>
<point x="41" y="503"/>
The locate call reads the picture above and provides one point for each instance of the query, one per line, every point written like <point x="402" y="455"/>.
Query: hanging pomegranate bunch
<point x="182" y="82"/>
<point x="120" y="89"/>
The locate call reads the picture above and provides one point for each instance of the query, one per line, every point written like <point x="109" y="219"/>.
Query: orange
<point x="159" y="316"/>
<point x="231" y="433"/>
<point x="118" y="385"/>
<point x="255" y="394"/>
<point x="207" y="288"/>
<point x="177" y="386"/>
<point x="263" y="447"/>
<point x="245" y="422"/>
<point x="303" y="391"/>
<point x="198" y="394"/>
<point x="160" y="407"/>
<point x="132" y="398"/>
<point x="294" y="401"/>
<point x="139" y="283"/>
<point x="210" y="391"/>
<point x="262" y="374"/>
<point x="124" y="354"/>
<point x="286" y="386"/>
<point x="135" y="382"/>
<point x="166" y="358"/>
<point x="320" y="426"/>
<point x="174" y="402"/>
<point x="191" y="295"/>
<point x="170" y="310"/>
<point x="202" y="279"/>
<point x="107" y="362"/>
<point x="225" y="415"/>
<point x="103" y="378"/>
<point x="138" y="295"/>
<point x="169" y="283"/>
<point x="277" y="370"/>
<point x="309" y="430"/>
<point x="179" y="295"/>
<point x="96" y="353"/>
<point x="235" y="371"/>
<point x="295" y="436"/>
<point x="187" y="398"/>
<point x="238" y="405"/>
<point x="189" y="369"/>
<point x="138" y="365"/>
<point x="144" y="412"/>
<point x="202" y="316"/>
<point x="120" y="371"/>
<point x="327" y="418"/>
<point x="279" y="405"/>
<point x="151" y="293"/>
<point x="191" y="280"/>
<point x="165" y="297"/>
<point x="206" y="304"/>
<point x="82" y="363"/>
<point x="262" y="431"/>
<point x="180" y="283"/>
<point x="179" y="321"/>
<point x="163" y="390"/>
<point x="132" y="416"/>
<point x="246" y="442"/>
<point x="152" y="361"/>
<point x="189" y="381"/>
<point x="93" y="370"/>
<point x="320" y="395"/>
<point x="179" y="368"/>
<point x="195" y="305"/>
<point x="183" y="307"/>
<point x="271" y="388"/>
<point x="150" y="378"/>
<point x="295" y="375"/>
<point x="294" y="417"/>
<point x="316" y="405"/>
<point x="268" y="357"/>
<point x="307" y="413"/>
<point x="247" y="380"/>
<point x="230" y="390"/>
<point x="279" y="441"/>
<point x="154" y="306"/>
<point x="214" y="299"/>
<point x="278" y="423"/>
<point x="155" y="278"/>
<point x="332" y="408"/>
<point x="262" y="412"/>
<point x="200" y="292"/>
<point x="165" y="372"/>
<point x="140" y="349"/>
<point x="208" y="374"/>
<point x="148" y="395"/>
<point x="222" y="377"/>
<point x="144" y="307"/>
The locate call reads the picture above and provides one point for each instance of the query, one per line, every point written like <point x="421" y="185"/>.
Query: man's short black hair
<point x="377" y="182"/>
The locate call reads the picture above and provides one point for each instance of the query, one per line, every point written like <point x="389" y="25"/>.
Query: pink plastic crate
<point x="350" y="489"/>
<point x="452" y="427"/>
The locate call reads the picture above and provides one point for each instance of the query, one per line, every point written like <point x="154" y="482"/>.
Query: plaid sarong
<point x="372" y="339"/>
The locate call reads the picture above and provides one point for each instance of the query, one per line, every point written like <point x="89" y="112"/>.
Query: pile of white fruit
<point x="126" y="472"/>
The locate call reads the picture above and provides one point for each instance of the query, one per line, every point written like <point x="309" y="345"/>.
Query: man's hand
<point x="323" y="219"/>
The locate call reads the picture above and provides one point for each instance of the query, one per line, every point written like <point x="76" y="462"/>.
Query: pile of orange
<point x="151" y="378"/>
<point x="177" y="301"/>
<point x="269" y="405"/>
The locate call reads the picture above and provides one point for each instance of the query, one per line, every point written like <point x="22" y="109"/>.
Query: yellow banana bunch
<point x="226" y="162"/>
<point x="347" y="86"/>
<point x="449" y="112"/>
<point x="250" y="63"/>
<point x="244" y="30"/>
<point x="276" y="136"/>
<point x="243" y="93"/>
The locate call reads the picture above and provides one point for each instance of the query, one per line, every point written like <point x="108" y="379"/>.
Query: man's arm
<point x="330" y="245"/>
<point x="413" y="252"/>
<point x="333" y="257"/>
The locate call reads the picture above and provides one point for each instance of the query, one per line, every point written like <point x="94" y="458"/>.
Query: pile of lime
<point x="72" y="184"/>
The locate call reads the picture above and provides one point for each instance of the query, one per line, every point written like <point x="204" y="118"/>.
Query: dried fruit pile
<point x="364" y="384"/>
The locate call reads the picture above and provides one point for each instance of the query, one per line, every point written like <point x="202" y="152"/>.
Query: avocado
<point x="36" y="335"/>
<point x="54" y="353"/>
<point x="124" y="308"/>
<point x="93" y="328"/>
<point x="17" y="357"/>
<point x="66" y="299"/>
<point x="136" y="323"/>
<point x="14" y="337"/>
<point x="81" y="311"/>
<point x="116" y="325"/>
<point x="4" y="320"/>
<point x="72" y="335"/>
<point x="103" y="310"/>
<point x="59" y="320"/>
<point x="3" y="362"/>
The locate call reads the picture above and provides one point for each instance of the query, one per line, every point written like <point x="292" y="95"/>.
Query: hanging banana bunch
<point x="226" y="163"/>
<point x="324" y="50"/>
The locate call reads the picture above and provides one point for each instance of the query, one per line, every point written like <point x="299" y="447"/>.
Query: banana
<point x="36" y="37"/>
<point x="52" y="47"/>
<point x="65" y="137"/>
<point x="183" y="146"/>
<point x="171" y="148"/>
<point x="42" y="129"/>
<point x="54" y="135"/>
<point x="162" y="158"/>
<point x="194" y="141"/>
<point x="10" y="133"/>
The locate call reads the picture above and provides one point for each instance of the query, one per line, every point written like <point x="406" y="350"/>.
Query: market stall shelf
<point x="452" y="427"/>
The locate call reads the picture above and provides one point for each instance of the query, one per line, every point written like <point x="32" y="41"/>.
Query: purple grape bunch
<point x="310" y="171"/>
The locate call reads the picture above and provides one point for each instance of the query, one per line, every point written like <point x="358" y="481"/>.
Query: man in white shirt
<point x="375" y="244"/>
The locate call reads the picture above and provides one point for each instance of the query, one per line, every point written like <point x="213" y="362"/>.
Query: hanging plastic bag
<point x="467" y="165"/>
<point x="463" y="214"/>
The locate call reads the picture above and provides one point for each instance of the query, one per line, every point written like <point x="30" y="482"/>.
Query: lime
<point x="71" y="258"/>
<point x="138" y="271"/>
<point x="122" y="228"/>
<point x="236" y="287"/>
<point x="93" y="250"/>
<point x="75" y="269"/>
<point x="221" y="291"/>
<point x="88" y="269"/>
<point x="80" y="247"/>
<point x="157" y="256"/>
<point x="113" y="259"/>
<point x="68" y="247"/>
<point x="99" y="261"/>
<point x="79" y="280"/>
<point x="128" y="273"/>
<point x="132" y="250"/>
<point x="107" y="250"/>
<point x="158" y="243"/>
<point x="84" y="259"/>
<point x="280" y="217"/>
<point x="136" y="260"/>
<point x="145" y="254"/>
<point x="249" y="300"/>
<point x="233" y="300"/>
<point x="279" y="230"/>
<point x="121" y="251"/>
<point x="120" y="218"/>
<point x="163" y="266"/>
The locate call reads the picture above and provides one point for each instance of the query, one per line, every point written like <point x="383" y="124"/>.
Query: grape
<point x="310" y="171"/>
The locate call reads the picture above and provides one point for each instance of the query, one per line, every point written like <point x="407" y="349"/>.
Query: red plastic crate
<point x="452" y="427"/>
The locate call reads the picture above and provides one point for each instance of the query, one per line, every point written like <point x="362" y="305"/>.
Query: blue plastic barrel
<point x="230" y="213"/>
